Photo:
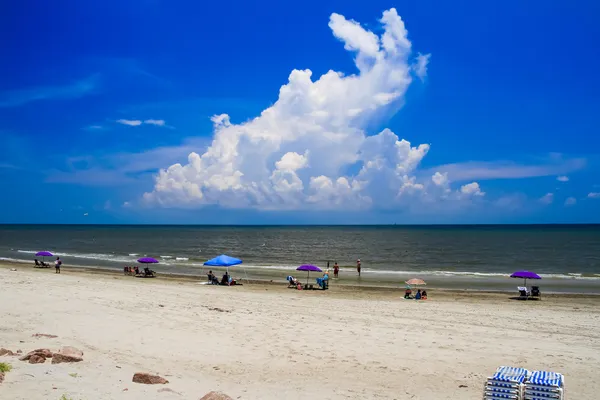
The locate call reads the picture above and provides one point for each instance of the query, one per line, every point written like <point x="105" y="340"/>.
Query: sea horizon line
<point x="250" y="225"/>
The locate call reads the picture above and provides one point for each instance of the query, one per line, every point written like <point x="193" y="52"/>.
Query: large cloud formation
<point x="310" y="149"/>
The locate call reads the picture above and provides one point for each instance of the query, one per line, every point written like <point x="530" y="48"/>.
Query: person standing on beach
<point x="336" y="270"/>
<point x="358" y="266"/>
<point x="57" y="265"/>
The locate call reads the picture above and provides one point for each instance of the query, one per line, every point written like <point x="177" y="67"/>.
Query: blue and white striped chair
<point x="506" y="383"/>
<point x="544" y="385"/>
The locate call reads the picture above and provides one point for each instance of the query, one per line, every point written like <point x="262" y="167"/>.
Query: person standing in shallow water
<point x="358" y="266"/>
<point x="57" y="265"/>
<point x="336" y="270"/>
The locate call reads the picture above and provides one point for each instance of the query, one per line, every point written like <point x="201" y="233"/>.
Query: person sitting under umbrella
<point x="292" y="282"/>
<point x="225" y="279"/>
<point x="424" y="295"/>
<point x="228" y="280"/>
<point x="418" y="295"/>
<point x="41" y="264"/>
<point x="212" y="279"/>
<point x="408" y="293"/>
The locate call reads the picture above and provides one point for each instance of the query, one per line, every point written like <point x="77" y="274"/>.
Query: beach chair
<point x="506" y="383"/>
<point x="323" y="283"/>
<point x="292" y="282"/>
<point x="543" y="385"/>
<point x="523" y="292"/>
<point x="148" y="273"/>
<point x="535" y="292"/>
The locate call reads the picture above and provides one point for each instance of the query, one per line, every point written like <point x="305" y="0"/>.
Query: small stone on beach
<point x="148" y="379"/>
<point x="63" y="358"/>
<point x="46" y="353"/>
<point x="70" y="351"/>
<point x="37" y="359"/>
<point x="6" y="352"/>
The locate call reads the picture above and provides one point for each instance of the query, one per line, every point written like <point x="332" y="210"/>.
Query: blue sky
<point x="95" y="99"/>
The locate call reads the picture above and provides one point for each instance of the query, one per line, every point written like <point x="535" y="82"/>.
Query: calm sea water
<point x="567" y="252"/>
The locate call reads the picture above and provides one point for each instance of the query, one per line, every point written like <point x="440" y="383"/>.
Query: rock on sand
<point x="148" y="379"/>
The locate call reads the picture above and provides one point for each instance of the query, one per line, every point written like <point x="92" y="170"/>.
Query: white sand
<point x="282" y="344"/>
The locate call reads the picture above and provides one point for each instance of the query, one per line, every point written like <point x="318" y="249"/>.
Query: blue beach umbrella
<point x="223" y="261"/>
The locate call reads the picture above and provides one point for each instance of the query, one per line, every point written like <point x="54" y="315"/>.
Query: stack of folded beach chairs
<point x="506" y="383"/>
<point x="543" y="385"/>
<point x="521" y="384"/>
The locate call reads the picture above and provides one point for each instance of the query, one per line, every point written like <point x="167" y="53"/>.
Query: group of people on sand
<point x="135" y="271"/>
<point x="421" y="294"/>
<point x="322" y="282"/>
<point x="42" y="264"/>
<point x="226" y="280"/>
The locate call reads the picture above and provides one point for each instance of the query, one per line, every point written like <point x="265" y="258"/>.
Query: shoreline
<point x="266" y="280"/>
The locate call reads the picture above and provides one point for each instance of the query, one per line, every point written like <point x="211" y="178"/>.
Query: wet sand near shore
<point x="368" y="282"/>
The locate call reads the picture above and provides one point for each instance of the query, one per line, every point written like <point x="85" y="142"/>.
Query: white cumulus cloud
<point x="440" y="179"/>
<point x="420" y="65"/>
<point x="570" y="201"/>
<point x="137" y="122"/>
<point x="129" y="122"/>
<point x="472" y="189"/>
<point x="593" y="195"/>
<point x="157" y="122"/>
<point x="310" y="149"/>
<point x="562" y="178"/>
<point x="548" y="198"/>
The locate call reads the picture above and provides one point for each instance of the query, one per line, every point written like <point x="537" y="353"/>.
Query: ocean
<point x="470" y="257"/>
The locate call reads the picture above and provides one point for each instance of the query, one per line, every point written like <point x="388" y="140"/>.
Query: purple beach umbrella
<point x="44" y="254"/>
<point x="147" y="260"/>
<point x="308" y="268"/>
<point x="525" y="275"/>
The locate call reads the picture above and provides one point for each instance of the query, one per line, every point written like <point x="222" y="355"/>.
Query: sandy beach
<point x="268" y="342"/>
